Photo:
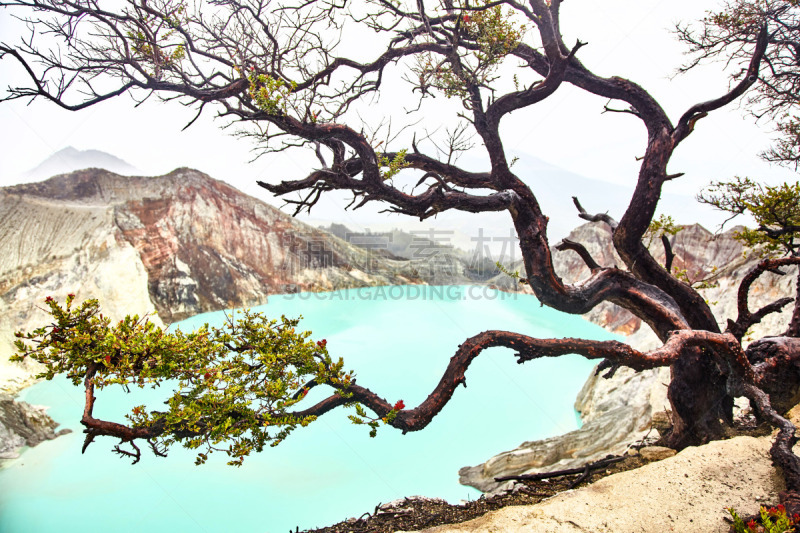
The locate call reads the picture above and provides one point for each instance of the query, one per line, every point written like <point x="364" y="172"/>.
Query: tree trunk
<point x="794" y="323"/>
<point x="701" y="405"/>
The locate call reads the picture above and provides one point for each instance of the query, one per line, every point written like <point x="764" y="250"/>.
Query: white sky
<point x="627" y="38"/>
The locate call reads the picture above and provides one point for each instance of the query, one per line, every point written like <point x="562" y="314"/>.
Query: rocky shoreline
<point x="689" y="491"/>
<point x="22" y="424"/>
<point x="617" y="413"/>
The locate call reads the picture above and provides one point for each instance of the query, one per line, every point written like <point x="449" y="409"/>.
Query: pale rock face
<point x="57" y="249"/>
<point x="207" y="246"/>
<point x="616" y="412"/>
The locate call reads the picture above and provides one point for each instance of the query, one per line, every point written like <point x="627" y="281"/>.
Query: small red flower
<point x="466" y="18"/>
<point x="70" y="295"/>
<point x="56" y="330"/>
<point x="305" y="391"/>
<point x="207" y="375"/>
<point x="322" y="343"/>
<point x="752" y="525"/>
<point x="48" y="299"/>
<point x="108" y="359"/>
<point x="399" y="406"/>
<point x="796" y="518"/>
<point x="781" y="509"/>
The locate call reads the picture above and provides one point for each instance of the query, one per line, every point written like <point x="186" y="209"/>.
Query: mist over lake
<point x="399" y="341"/>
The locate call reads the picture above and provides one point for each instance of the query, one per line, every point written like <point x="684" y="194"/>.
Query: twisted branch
<point x="581" y="250"/>
<point x="745" y="318"/>
<point x="526" y="349"/>
<point x="599" y="217"/>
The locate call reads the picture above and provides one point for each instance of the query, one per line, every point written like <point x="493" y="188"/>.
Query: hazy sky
<point x="628" y="38"/>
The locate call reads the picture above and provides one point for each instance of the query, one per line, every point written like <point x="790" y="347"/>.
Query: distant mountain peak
<point x="69" y="150"/>
<point x="70" y="159"/>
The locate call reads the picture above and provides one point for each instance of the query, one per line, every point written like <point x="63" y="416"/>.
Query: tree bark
<point x="701" y="405"/>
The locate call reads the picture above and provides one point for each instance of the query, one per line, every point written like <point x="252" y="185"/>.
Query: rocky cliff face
<point x="204" y="245"/>
<point x="700" y="253"/>
<point x="169" y="246"/>
<point x="619" y="411"/>
<point x="55" y="248"/>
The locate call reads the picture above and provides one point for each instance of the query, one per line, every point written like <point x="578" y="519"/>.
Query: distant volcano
<point x="70" y="159"/>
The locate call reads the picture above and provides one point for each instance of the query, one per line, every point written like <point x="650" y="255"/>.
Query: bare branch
<point x="600" y="217"/>
<point x="687" y="121"/>
<point x="567" y="244"/>
<point x="668" y="253"/>
<point x="745" y="318"/>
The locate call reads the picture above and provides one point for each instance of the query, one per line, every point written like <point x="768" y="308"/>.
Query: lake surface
<point x="399" y="341"/>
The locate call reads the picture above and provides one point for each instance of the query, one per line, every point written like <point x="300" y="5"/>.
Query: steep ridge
<point x="54" y="249"/>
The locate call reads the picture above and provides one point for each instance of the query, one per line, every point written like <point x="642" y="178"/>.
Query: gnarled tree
<point x="281" y="71"/>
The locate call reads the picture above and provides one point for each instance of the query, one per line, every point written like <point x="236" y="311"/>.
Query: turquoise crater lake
<point x="399" y="341"/>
